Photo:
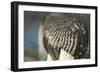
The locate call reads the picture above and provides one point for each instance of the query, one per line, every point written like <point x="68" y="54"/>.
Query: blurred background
<point x="32" y="20"/>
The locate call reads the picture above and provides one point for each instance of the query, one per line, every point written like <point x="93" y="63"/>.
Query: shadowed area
<point x="30" y="55"/>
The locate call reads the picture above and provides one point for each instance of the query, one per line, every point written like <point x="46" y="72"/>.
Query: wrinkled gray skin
<point x="59" y="31"/>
